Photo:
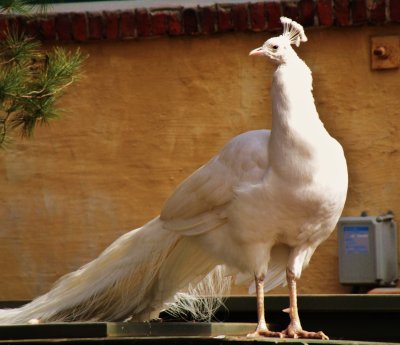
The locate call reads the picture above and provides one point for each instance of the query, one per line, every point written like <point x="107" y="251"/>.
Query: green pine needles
<point x="31" y="81"/>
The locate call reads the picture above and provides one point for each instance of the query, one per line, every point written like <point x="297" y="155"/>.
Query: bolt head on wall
<point x="385" y="52"/>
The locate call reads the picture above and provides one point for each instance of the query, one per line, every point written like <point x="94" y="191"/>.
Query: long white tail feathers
<point x="143" y="272"/>
<point x="135" y="277"/>
<point x="201" y="301"/>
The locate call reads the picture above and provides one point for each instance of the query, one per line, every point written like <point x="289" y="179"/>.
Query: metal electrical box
<point x="368" y="250"/>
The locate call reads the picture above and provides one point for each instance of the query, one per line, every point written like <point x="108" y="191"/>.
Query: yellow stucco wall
<point x="148" y="113"/>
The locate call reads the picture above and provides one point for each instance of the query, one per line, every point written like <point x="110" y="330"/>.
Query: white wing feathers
<point x="200" y="202"/>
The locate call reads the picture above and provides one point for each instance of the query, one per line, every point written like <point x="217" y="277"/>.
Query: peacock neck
<point x="296" y="127"/>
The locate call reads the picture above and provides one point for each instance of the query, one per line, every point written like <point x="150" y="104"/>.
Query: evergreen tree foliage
<point x="31" y="80"/>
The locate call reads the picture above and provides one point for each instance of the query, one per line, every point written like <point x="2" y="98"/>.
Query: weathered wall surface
<point x="148" y="113"/>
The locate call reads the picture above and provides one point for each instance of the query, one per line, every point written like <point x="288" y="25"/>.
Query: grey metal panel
<point x="367" y="250"/>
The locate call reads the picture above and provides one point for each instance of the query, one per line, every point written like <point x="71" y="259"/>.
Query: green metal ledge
<point x="364" y="319"/>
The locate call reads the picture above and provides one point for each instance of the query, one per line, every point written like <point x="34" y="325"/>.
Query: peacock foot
<point x="298" y="332"/>
<point x="265" y="332"/>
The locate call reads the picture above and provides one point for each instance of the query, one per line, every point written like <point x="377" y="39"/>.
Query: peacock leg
<point x="294" y="329"/>
<point x="262" y="328"/>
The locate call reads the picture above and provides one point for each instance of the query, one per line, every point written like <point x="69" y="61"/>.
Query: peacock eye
<point x="275" y="47"/>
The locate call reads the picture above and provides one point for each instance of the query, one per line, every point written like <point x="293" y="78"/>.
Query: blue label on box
<point x="356" y="239"/>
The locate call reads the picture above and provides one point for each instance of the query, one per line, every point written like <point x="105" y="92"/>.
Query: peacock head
<point x="279" y="49"/>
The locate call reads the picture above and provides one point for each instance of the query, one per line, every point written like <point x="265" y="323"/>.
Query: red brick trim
<point x="258" y="18"/>
<point x="342" y="10"/>
<point x="377" y="11"/>
<point x="240" y="17"/>
<point x="325" y="12"/>
<point x="79" y="27"/>
<point x="274" y="12"/>
<point x="359" y="11"/>
<point x="206" y="20"/>
<point x="175" y="26"/>
<point x="127" y="25"/>
<point x="394" y="11"/>
<point x="63" y="27"/>
<point x="190" y="21"/>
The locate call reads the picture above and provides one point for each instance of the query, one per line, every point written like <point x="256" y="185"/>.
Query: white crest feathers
<point x="293" y="31"/>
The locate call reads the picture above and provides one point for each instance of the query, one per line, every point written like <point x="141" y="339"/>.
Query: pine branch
<point x="31" y="82"/>
<point x="17" y="47"/>
<point x="24" y="7"/>
<point x="15" y="6"/>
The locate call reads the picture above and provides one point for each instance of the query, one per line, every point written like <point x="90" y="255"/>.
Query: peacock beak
<point x="257" y="52"/>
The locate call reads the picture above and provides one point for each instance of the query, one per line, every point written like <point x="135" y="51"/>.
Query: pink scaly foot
<point x="262" y="329"/>
<point x="294" y="329"/>
<point x="297" y="332"/>
<point x="265" y="333"/>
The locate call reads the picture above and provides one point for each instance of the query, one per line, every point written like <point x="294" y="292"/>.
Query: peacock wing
<point x="200" y="202"/>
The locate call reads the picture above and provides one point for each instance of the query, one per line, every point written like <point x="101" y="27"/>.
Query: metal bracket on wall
<point x="385" y="52"/>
